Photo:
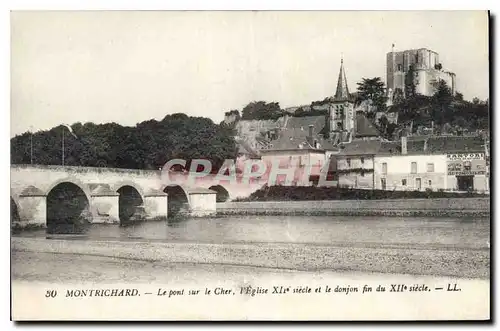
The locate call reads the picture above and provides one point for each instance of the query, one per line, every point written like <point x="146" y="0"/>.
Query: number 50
<point x="51" y="294"/>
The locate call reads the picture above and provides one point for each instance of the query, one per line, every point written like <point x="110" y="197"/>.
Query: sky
<point x="131" y="66"/>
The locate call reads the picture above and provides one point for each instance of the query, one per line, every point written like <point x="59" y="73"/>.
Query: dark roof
<point x="298" y="138"/>
<point x="456" y="144"/>
<point x="296" y="133"/>
<point x="291" y="139"/>
<point x="439" y="145"/>
<point x="319" y="123"/>
<point x="390" y="147"/>
<point x="361" y="147"/>
<point x="364" y="127"/>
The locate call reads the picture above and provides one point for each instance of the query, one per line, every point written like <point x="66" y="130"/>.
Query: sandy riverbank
<point x="35" y="273"/>
<point x="439" y="260"/>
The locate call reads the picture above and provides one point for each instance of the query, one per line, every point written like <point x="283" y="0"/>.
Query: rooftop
<point x="440" y="144"/>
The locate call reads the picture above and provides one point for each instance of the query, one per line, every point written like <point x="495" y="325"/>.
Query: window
<point x="414" y="167"/>
<point x="348" y="162"/>
<point x="403" y="182"/>
<point x="400" y="67"/>
<point x="384" y="168"/>
<point x="430" y="182"/>
<point x="362" y="160"/>
<point x="430" y="167"/>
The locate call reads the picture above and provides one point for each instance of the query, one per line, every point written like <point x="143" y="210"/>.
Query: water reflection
<point x="458" y="232"/>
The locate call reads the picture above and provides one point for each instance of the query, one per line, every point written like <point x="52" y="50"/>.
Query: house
<point x="300" y="145"/>
<point x="453" y="163"/>
<point x="354" y="161"/>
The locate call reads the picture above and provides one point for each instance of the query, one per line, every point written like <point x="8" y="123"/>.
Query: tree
<point x="148" y="145"/>
<point x="300" y="112"/>
<point x="234" y="112"/>
<point x="260" y="110"/>
<point x="441" y="101"/>
<point x="373" y="89"/>
<point x="410" y="82"/>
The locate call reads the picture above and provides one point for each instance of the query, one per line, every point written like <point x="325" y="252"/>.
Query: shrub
<point x="309" y="193"/>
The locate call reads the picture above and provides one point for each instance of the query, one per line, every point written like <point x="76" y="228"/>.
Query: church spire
<point x="342" y="92"/>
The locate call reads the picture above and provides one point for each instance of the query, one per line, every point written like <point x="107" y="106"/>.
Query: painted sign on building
<point x="466" y="164"/>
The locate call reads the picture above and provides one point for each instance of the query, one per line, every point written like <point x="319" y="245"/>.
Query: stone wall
<point x="411" y="207"/>
<point x="45" y="177"/>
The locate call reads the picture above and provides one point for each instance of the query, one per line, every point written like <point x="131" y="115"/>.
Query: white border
<point x="177" y="5"/>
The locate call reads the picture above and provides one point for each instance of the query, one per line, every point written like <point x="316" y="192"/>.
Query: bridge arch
<point x="178" y="200"/>
<point x="222" y="193"/>
<point x="130" y="203"/>
<point x="118" y="185"/>
<point x="68" y="207"/>
<point x="72" y="180"/>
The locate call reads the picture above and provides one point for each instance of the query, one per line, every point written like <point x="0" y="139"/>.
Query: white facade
<point x="356" y="171"/>
<point x="301" y="160"/>
<point x="410" y="172"/>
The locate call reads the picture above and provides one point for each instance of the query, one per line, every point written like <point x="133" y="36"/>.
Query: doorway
<point x="465" y="183"/>
<point x="383" y="183"/>
<point x="418" y="183"/>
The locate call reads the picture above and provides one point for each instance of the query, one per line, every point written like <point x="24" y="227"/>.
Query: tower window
<point x="400" y="67"/>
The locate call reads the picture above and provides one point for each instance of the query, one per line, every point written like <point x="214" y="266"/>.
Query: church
<point x="314" y="141"/>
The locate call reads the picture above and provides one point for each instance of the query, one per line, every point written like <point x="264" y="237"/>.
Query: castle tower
<point x="342" y="107"/>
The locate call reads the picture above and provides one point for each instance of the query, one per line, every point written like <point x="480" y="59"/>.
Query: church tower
<point x="342" y="115"/>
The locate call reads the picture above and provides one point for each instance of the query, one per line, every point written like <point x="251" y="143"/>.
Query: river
<point x="316" y="230"/>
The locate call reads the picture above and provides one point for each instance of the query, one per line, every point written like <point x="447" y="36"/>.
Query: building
<point x="341" y="107"/>
<point x="455" y="163"/>
<point x="300" y="144"/>
<point x="355" y="160"/>
<point x="426" y="67"/>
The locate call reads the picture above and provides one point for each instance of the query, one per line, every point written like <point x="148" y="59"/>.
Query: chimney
<point x="404" y="147"/>
<point x="311" y="130"/>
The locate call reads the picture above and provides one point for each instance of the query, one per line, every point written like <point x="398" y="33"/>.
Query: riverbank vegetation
<point x="308" y="193"/>
<point x="148" y="145"/>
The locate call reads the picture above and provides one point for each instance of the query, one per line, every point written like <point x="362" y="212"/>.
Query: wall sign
<point x="466" y="164"/>
<point x="465" y="156"/>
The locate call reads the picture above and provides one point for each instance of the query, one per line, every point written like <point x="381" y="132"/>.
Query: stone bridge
<point x="41" y="194"/>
